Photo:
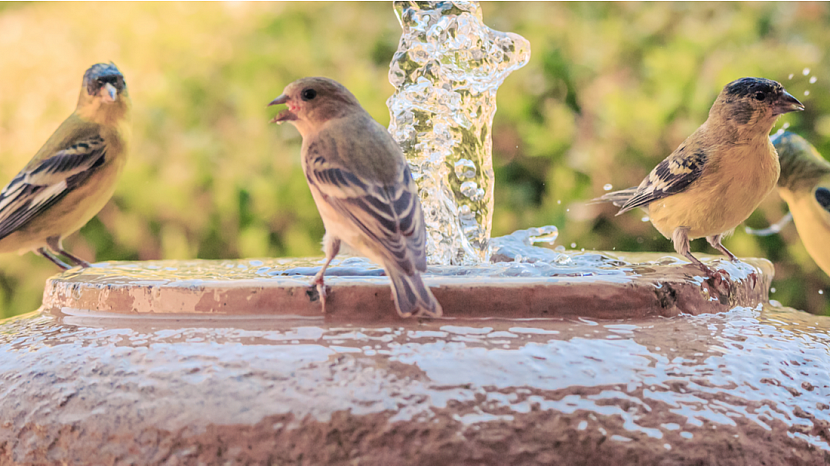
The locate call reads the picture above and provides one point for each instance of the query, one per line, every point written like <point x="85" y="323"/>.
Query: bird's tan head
<point x="313" y="101"/>
<point x="754" y="104"/>
<point x="801" y="164"/>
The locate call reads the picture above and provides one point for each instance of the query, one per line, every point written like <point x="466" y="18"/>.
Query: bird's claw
<point x="719" y="280"/>
<point x="321" y="291"/>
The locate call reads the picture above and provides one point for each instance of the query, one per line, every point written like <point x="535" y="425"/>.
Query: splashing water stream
<point x="446" y="72"/>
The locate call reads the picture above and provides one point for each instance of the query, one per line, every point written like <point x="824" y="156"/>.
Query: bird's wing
<point x="671" y="176"/>
<point x="387" y="213"/>
<point x="823" y="198"/>
<point x="42" y="184"/>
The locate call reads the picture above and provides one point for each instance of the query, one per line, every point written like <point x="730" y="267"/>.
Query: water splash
<point x="446" y="72"/>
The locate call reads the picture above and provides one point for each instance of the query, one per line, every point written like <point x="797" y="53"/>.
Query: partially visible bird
<point x="73" y="175"/>
<point x="804" y="185"/>
<point x="362" y="186"/>
<point x="717" y="177"/>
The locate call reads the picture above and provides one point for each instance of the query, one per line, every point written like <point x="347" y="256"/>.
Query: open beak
<point x="285" y="115"/>
<point x="786" y="104"/>
<point x="112" y="93"/>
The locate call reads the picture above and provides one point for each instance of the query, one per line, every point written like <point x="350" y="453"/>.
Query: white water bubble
<point x="820" y="291"/>
<point x="806" y="92"/>
<point x="790" y="76"/>
<point x="608" y="187"/>
<point x="772" y="290"/>
<point x="573" y="245"/>
<point x="559" y="202"/>
<point x="465" y="169"/>
<point x="645" y="219"/>
<point x="805" y="71"/>
<point x="813" y="80"/>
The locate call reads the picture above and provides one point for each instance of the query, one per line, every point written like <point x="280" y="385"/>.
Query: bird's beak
<point x="112" y="93"/>
<point x="279" y="100"/>
<point x="285" y="115"/>
<point x="786" y="104"/>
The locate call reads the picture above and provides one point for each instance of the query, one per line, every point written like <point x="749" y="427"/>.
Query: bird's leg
<point x="56" y="245"/>
<point x="714" y="241"/>
<point x="331" y="246"/>
<point x="43" y="252"/>
<point x="680" y="239"/>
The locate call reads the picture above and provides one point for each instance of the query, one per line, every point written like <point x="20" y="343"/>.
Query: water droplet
<point x="645" y="218"/>
<point x="573" y="245"/>
<point x="567" y="210"/>
<point x="772" y="290"/>
<point x="790" y="76"/>
<point x="468" y="188"/>
<point x="608" y="187"/>
<point x="785" y="126"/>
<point x="546" y="234"/>
<point x="820" y="291"/>
<point x="559" y="202"/>
<point x="813" y="80"/>
<point x="805" y="71"/>
<point x="465" y="169"/>
<point x="806" y="92"/>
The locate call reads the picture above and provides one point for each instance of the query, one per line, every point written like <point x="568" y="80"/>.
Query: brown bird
<point x="719" y="174"/>
<point x="73" y="175"/>
<point x="362" y="186"/>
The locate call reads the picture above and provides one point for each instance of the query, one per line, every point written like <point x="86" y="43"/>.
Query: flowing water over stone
<point x="750" y="386"/>
<point x="446" y="72"/>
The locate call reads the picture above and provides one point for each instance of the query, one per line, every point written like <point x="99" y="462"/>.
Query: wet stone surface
<point x="749" y="386"/>
<point x="527" y="283"/>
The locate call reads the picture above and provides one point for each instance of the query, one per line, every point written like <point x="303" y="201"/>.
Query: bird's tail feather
<point x="412" y="296"/>
<point x="618" y="198"/>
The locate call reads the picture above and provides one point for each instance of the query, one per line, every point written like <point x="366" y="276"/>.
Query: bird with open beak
<point x="363" y="188"/>
<point x="717" y="177"/>
<point x="73" y="175"/>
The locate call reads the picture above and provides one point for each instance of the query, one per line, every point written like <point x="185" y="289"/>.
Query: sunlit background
<point x="610" y="90"/>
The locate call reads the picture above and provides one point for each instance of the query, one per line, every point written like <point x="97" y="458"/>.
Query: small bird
<point x="717" y="177"/>
<point x="72" y="176"/>
<point x="805" y="187"/>
<point x="362" y="186"/>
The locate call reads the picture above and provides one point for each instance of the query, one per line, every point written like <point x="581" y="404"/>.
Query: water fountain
<point x="231" y="361"/>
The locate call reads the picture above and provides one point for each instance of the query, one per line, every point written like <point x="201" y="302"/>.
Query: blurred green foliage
<point x="611" y="89"/>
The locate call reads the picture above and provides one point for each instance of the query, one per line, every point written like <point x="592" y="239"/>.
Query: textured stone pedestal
<point x="598" y="285"/>
<point x="581" y="360"/>
<point x="743" y="387"/>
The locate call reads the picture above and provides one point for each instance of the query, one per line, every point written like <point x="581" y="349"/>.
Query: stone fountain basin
<point x="583" y="284"/>
<point x="748" y="386"/>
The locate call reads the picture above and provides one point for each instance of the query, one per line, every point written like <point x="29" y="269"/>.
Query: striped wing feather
<point x="39" y="186"/>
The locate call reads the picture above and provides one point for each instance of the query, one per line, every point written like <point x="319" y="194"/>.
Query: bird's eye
<point x="760" y="96"/>
<point x="308" y="94"/>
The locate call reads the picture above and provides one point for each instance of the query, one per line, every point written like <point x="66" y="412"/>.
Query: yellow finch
<point x="805" y="186"/>
<point x="719" y="174"/>
<point x="362" y="186"/>
<point x="73" y="175"/>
